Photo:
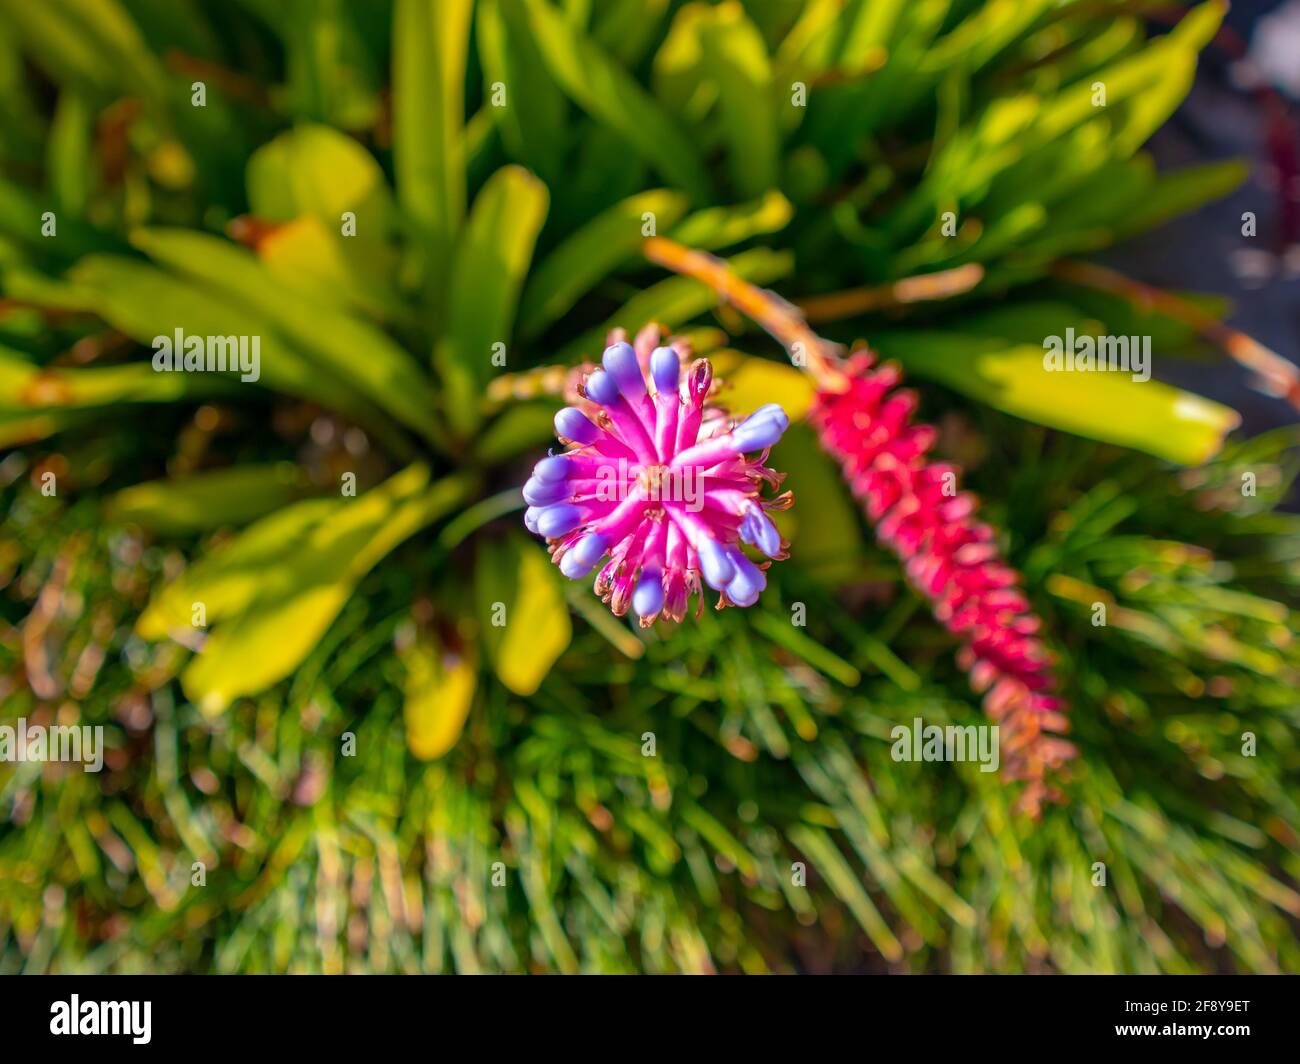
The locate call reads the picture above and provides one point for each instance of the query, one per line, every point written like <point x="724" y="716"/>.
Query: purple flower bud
<point x="620" y="363"/>
<point x="530" y="518"/>
<point x="538" y="492"/>
<point x="715" y="566"/>
<point x="559" y="519"/>
<point x="573" y="567"/>
<point x="590" y="548"/>
<point x="665" y="369"/>
<point x="648" y="598"/>
<point x="757" y="528"/>
<point x="572" y="424"/>
<point x="556" y="467"/>
<point x="748" y="582"/>
<point x="760" y="430"/>
<point x="600" y="388"/>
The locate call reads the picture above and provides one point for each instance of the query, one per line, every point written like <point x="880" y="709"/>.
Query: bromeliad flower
<point x="663" y="492"/>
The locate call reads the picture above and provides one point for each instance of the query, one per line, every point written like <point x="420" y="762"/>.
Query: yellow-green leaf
<point x="1109" y="406"/>
<point x="439" y="691"/>
<point x="209" y="500"/>
<point x="492" y="259"/>
<point x="591" y="253"/>
<point x="522" y="612"/>
<point x="429" y="50"/>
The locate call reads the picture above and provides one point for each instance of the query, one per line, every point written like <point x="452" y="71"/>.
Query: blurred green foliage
<point x="387" y="194"/>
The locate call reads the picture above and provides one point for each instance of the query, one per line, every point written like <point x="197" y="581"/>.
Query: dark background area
<point x="1205" y="251"/>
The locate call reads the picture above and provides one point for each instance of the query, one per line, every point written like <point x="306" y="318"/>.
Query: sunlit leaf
<point x="611" y="96"/>
<point x="439" y="691"/>
<point x="429" y="49"/>
<point x="521" y="611"/>
<point x="491" y="261"/>
<point x="1108" y="406"/>
<point x="594" y="250"/>
<point x="208" y="500"/>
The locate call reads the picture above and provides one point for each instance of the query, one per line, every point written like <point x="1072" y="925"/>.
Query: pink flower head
<point x="658" y="485"/>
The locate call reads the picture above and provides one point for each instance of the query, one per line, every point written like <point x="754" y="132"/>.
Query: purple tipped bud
<point x="601" y="388"/>
<point x="538" y="492"/>
<point x="590" y="548"/>
<point x="559" y="519"/>
<point x="665" y="369"/>
<point x="557" y="467"/>
<point x="530" y="518"/>
<point x="760" y="430"/>
<point x="757" y="528"/>
<point x="620" y="363"/>
<point x="748" y="582"/>
<point x="715" y="566"/>
<point x="648" y="598"/>
<point x="572" y="424"/>
<point x="573" y="567"/>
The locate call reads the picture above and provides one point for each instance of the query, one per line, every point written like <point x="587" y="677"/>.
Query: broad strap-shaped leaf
<point x="26" y="388"/>
<point x="532" y="117"/>
<point x="677" y="300"/>
<point x="1109" y="406"/>
<point x="145" y="302"/>
<point x="267" y="640"/>
<point x="491" y="262"/>
<point x="313" y="169"/>
<point x="611" y="96"/>
<point x="438" y="692"/>
<point x="717" y="53"/>
<point x="592" y="253"/>
<point x="202" y="501"/>
<point x="522" y="614"/>
<point x="352" y="350"/>
<point x="429" y="49"/>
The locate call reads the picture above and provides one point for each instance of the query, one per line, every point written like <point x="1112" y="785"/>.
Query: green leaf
<point x="610" y="95"/>
<point x="592" y="253"/>
<point x="439" y="690"/>
<point x="305" y="255"/>
<point x="1108" y="406"/>
<point x="720" y="227"/>
<point x="532" y="122"/>
<point x="677" y="300"/>
<point x="491" y="262"/>
<point x="718" y="51"/>
<point x="26" y="388"/>
<point x="144" y="302"/>
<point x="517" y="586"/>
<point x="1181" y="191"/>
<point x="429" y="50"/>
<point x="229" y="579"/>
<point x="278" y="628"/>
<point x="316" y="170"/>
<point x="351" y="350"/>
<point x="204" y="501"/>
<point x="69" y="153"/>
<point x="92" y="44"/>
